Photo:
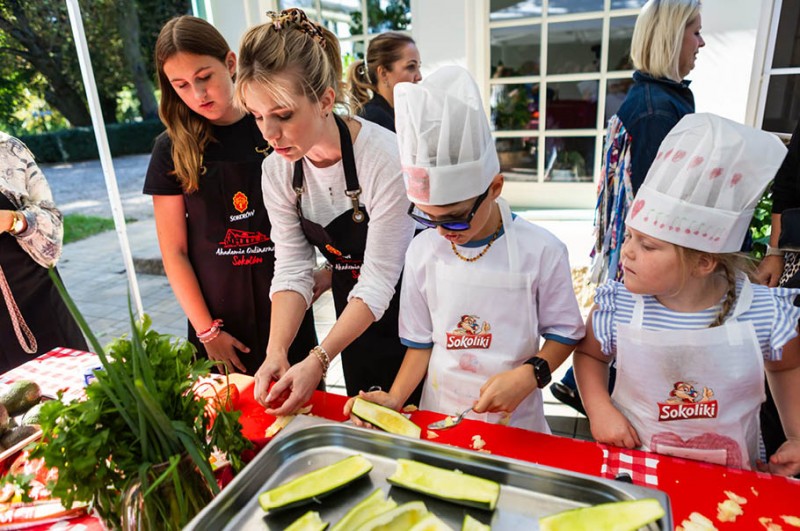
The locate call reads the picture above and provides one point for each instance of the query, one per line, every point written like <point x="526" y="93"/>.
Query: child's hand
<point x="503" y="392"/>
<point x="784" y="462"/>
<point x="376" y="397"/>
<point x="609" y="426"/>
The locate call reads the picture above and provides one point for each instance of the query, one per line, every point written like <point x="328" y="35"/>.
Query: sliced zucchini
<point x="316" y="484"/>
<point x="385" y="418"/>
<point x="448" y="485"/>
<point x="616" y="516"/>
<point x="431" y="523"/>
<point x="470" y="524"/>
<point x="366" y="509"/>
<point x="308" y="522"/>
<point x="400" y="518"/>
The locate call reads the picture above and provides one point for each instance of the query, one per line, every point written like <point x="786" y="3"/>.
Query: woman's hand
<point x="609" y="426"/>
<point x="322" y="283"/>
<point x="273" y="368"/>
<point x="381" y="398"/>
<point x="294" y="388"/>
<point x="222" y="349"/>
<point x="503" y="392"/>
<point x="770" y="270"/>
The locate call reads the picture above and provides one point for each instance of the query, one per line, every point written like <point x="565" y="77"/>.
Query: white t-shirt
<point x="383" y="196"/>
<point x="541" y="254"/>
<point x="772" y="312"/>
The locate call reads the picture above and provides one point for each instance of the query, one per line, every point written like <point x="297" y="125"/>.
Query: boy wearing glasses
<point x="482" y="286"/>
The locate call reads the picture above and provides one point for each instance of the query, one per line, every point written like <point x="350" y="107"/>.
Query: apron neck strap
<point x="510" y="234"/>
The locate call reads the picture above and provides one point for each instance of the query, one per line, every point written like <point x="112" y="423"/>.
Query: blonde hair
<point x="729" y="265"/>
<point x="362" y="76"/>
<point x="272" y="50"/>
<point x="189" y="132"/>
<point x="658" y="36"/>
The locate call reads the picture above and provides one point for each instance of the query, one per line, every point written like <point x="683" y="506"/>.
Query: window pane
<point x="782" y="109"/>
<point x="518" y="158"/>
<point x="616" y="90"/>
<point x="511" y="9"/>
<point x="619" y="43"/>
<point x="572" y="105"/>
<point x="388" y="15"/>
<point x="787" y="43"/>
<point x="514" y="106"/>
<point x="569" y="159"/>
<point x="343" y="17"/>
<point x="351" y="50"/>
<point x="574" y="47"/>
<point x="627" y="4"/>
<point x="515" y="51"/>
<point x="563" y="7"/>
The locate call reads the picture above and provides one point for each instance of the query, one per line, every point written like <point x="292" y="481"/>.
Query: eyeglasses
<point x="456" y="225"/>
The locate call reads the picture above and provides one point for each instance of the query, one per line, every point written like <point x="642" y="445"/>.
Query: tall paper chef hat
<point x="446" y="146"/>
<point x="705" y="182"/>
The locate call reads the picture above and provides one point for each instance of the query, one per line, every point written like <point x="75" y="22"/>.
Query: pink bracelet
<point x="212" y="332"/>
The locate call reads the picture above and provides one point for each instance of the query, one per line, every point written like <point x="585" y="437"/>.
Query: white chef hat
<point x="705" y="182"/>
<point x="446" y="146"/>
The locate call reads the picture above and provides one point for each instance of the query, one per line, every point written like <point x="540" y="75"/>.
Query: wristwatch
<point x="541" y="370"/>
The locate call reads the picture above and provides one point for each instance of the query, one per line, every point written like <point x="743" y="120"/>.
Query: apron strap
<point x="743" y="302"/>
<point x="511" y="236"/>
<point x="638" y="310"/>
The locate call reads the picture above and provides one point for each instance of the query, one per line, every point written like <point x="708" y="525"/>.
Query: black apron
<point x="234" y="259"/>
<point x="38" y="301"/>
<point x="374" y="358"/>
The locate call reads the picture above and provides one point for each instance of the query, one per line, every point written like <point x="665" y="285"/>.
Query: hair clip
<point x="300" y="20"/>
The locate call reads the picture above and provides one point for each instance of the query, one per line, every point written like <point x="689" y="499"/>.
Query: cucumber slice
<point x="316" y="484"/>
<point x="470" y="524"/>
<point x="400" y="518"/>
<point x="308" y="522"/>
<point x="365" y="510"/>
<point x="446" y="484"/>
<point x="385" y="418"/>
<point x="617" y="516"/>
<point x="431" y="523"/>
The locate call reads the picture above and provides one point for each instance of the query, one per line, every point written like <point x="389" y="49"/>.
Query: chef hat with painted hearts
<point x="705" y="182"/>
<point x="446" y="146"/>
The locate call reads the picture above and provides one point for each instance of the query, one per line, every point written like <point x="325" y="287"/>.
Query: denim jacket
<point x="650" y="111"/>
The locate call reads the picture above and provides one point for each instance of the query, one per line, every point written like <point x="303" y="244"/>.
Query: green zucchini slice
<point x="308" y="522"/>
<point x="400" y="518"/>
<point x="616" y="516"/>
<point x="448" y="485"/>
<point x="385" y="418"/>
<point x="471" y="524"/>
<point x="366" y="509"/>
<point x="315" y="484"/>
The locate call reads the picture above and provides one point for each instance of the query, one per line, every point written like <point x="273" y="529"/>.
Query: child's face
<point x="652" y="266"/>
<point x="292" y="129"/>
<point x="478" y="225"/>
<point x="205" y="85"/>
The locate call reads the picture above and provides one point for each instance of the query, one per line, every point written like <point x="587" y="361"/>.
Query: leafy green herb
<point x="140" y="412"/>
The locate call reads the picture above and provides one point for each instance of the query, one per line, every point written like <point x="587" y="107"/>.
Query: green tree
<point x="396" y="16"/>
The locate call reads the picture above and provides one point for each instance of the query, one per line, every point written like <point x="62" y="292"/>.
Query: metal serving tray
<point x="527" y="491"/>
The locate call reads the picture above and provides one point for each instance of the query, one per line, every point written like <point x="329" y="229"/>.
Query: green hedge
<point x="78" y="143"/>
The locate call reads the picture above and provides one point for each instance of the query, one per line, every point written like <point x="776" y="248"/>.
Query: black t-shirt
<point x="232" y="143"/>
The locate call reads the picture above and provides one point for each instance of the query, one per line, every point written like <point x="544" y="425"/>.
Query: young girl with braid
<point x="691" y="335"/>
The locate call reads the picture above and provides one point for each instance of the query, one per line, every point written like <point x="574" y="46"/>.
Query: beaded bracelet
<point x="323" y="358"/>
<point x="211" y="333"/>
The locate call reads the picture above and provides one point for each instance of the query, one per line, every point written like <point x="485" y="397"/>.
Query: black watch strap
<point x="541" y="370"/>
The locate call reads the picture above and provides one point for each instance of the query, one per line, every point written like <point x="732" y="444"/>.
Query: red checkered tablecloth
<point x="59" y="369"/>
<point x="640" y="466"/>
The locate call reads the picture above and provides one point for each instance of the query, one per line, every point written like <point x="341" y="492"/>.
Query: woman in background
<point x="205" y="179"/>
<point x="392" y="58"/>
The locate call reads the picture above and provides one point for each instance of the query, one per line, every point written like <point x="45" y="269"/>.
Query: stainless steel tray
<point x="528" y="491"/>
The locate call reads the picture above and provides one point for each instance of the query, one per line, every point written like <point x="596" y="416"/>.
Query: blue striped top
<point x="772" y="313"/>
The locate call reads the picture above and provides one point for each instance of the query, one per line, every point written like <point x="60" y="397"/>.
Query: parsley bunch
<point x="140" y="412"/>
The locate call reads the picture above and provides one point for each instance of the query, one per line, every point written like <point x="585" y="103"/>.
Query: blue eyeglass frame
<point x="455" y="225"/>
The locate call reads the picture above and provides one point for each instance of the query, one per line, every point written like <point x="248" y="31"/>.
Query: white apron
<point x="693" y="393"/>
<point x="484" y="323"/>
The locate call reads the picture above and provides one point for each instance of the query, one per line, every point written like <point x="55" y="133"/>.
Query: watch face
<point x="541" y="370"/>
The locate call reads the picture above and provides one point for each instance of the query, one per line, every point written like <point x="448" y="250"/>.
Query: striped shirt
<point x="772" y="313"/>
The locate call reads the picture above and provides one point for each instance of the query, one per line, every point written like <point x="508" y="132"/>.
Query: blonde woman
<point x="205" y="179"/>
<point x="336" y="185"/>
<point x="392" y="58"/>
